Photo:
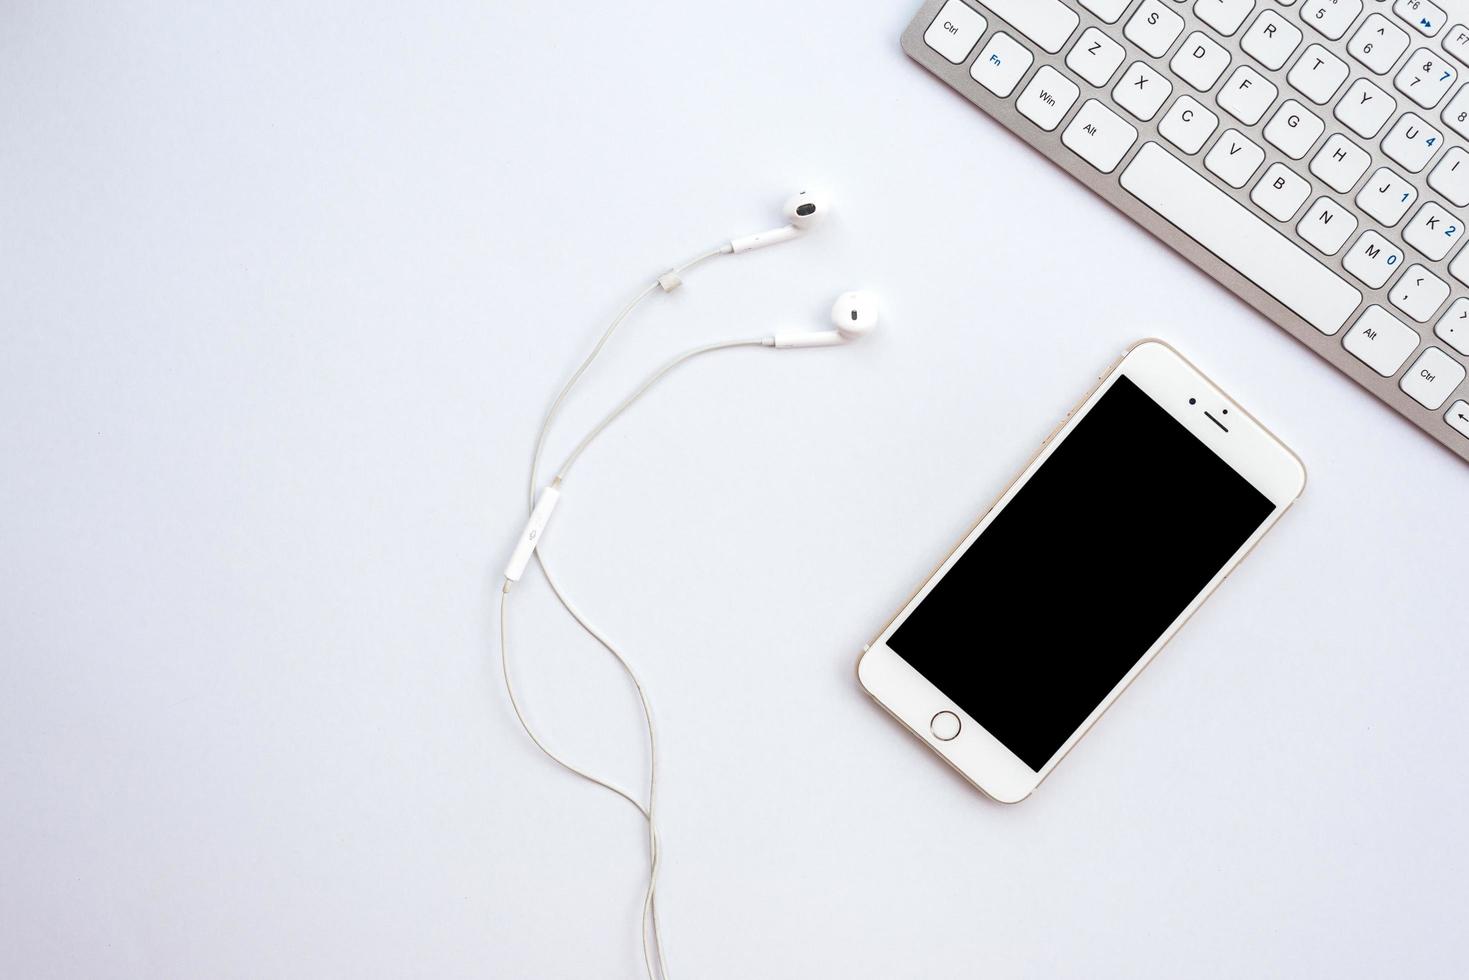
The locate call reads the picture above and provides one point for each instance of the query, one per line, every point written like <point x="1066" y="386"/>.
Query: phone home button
<point x="945" y="726"/>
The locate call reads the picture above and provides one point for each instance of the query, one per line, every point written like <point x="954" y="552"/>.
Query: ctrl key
<point x="954" y="31"/>
<point x="1458" y="417"/>
<point x="1432" y="378"/>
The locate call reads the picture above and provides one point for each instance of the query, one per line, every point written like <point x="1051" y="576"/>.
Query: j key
<point x="1386" y="196"/>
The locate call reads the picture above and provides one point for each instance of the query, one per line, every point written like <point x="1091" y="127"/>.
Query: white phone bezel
<point x="1248" y="447"/>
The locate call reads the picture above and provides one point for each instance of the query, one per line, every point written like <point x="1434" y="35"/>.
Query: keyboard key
<point x="1426" y="17"/>
<point x="1341" y="163"/>
<point x="1365" y="109"/>
<point x="1293" y="129"/>
<point x="1456" y="43"/>
<point x="1141" y="91"/>
<point x="1200" y="61"/>
<point x="1107" y="10"/>
<point x="1456" y="113"/>
<point x="1378" y="43"/>
<point x="1001" y="64"/>
<point x="1331" y="17"/>
<point x="1224" y="16"/>
<point x="1099" y="136"/>
<point x="1327" y="225"/>
<point x="1234" y="158"/>
<point x="1046" y="22"/>
<point x="1095" y="57"/>
<point x="1432" y="378"/>
<point x="1459" y="268"/>
<point x="1048" y="97"/>
<point x="1419" y="293"/>
<point x="1233" y="233"/>
<point x="1425" y="78"/>
<point x="1373" y="259"/>
<point x="1433" y="231"/>
<point x="1271" y="39"/>
<point x="1453" y="326"/>
<point x="955" y="31"/>
<point x="1153" y="28"/>
<point x="1451" y="177"/>
<point x="1188" y="125"/>
<point x="1381" y="341"/>
<point x="1281" y="192"/>
<point x="1412" y="142"/>
<point x="1318" y="74"/>
<point x="1458" y="416"/>
<point x="1246" y="95"/>
<point x="1386" y="196"/>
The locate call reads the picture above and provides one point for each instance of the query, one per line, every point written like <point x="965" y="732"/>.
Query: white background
<point x="285" y="292"/>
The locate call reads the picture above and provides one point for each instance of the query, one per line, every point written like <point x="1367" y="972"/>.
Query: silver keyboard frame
<point x="1108" y="187"/>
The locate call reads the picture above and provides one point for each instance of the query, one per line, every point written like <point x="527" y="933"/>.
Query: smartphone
<point x="1146" y="496"/>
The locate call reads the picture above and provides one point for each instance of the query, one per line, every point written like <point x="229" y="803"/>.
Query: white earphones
<point x="802" y="210"/>
<point x="853" y="315"/>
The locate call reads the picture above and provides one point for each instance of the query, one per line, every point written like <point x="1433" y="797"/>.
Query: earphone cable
<point x="650" y="908"/>
<point x="581" y="369"/>
<point x="520" y="717"/>
<point x="650" y="917"/>
<point x="650" y="900"/>
<point x="643" y="389"/>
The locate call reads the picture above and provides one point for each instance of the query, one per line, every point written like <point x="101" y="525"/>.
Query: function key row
<point x="1271" y="39"/>
<point x="1378" y="43"/>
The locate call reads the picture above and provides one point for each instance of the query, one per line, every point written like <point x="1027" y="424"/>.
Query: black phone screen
<point x="1079" y="575"/>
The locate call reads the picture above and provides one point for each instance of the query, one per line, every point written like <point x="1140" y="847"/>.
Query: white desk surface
<point x="285" y="294"/>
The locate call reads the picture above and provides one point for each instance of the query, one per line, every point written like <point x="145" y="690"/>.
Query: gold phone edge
<point x="1101" y="379"/>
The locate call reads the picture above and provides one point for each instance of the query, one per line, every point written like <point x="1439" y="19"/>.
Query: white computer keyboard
<point x="1309" y="154"/>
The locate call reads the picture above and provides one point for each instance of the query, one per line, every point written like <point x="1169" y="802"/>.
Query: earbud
<point x="853" y="315"/>
<point x="801" y="212"/>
